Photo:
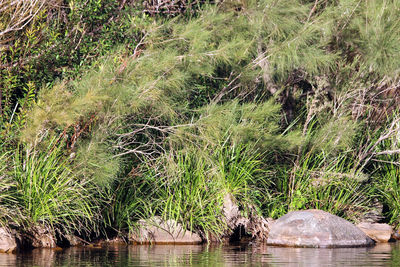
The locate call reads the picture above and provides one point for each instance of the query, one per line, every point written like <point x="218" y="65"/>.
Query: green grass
<point x="47" y="192"/>
<point x="189" y="187"/>
<point x="10" y="214"/>
<point x="190" y="194"/>
<point x="131" y="200"/>
<point x="387" y="184"/>
<point x="321" y="183"/>
<point x="243" y="177"/>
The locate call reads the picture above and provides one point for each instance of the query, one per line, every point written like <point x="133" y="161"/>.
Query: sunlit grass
<point x="47" y="192"/>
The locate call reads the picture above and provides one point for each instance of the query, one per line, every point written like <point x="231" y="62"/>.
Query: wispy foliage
<point x="173" y="124"/>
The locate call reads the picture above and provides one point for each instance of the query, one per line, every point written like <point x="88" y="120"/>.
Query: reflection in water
<point x="379" y="255"/>
<point x="197" y="255"/>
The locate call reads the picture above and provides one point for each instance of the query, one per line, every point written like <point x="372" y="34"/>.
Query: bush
<point x="167" y="122"/>
<point x="55" y="43"/>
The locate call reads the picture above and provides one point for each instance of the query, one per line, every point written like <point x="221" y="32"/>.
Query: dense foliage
<point x="282" y="105"/>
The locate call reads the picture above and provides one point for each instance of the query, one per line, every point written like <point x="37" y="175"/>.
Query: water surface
<point x="203" y="255"/>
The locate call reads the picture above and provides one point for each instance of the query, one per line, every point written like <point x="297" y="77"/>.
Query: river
<point x="206" y="255"/>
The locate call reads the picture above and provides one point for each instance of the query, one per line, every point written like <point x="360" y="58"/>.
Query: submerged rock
<point x="8" y="242"/>
<point x="380" y="232"/>
<point x="316" y="228"/>
<point x="158" y="231"/>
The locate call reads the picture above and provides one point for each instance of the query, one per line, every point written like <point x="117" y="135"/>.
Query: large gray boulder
<point x="316" y="228"/>
<point x="158" y="231"/>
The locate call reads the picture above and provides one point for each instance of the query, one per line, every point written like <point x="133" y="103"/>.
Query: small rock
<point x="74" y="241"/>
<point x="158" y="231"/>
<point x="316" y="228"/>
<point x="8" y="243"/>
<point x="107" y="242"/>
<point x="380" y="232"/>
<point x="396" y="235"/>
<point x="115" y="240"/>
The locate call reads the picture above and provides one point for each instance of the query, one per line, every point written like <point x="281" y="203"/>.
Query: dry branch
<point x="16" y="15"/>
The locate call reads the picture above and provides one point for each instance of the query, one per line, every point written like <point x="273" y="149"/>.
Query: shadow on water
<point x="198" y="255"/>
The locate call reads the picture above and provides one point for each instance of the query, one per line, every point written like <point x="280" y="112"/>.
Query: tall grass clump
<point x="388" y="187"/>
<point x="330" y="186"/>
<point x="189" y="194"/>
<point x="131" y="200"/>
<point x="387" y="171"/>
<point x="241" y="170"/>
<point x="10" y="213"/>
<point x="190" y="187"/>
<point x="324" y="174"/>
<point x="195" y="184"/>
<point x="181" y="192"/>
<point x="48" y="193"/>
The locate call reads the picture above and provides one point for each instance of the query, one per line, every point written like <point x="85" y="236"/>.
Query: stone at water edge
<point x="157" y="231"/>
<point x="316" y="228"/>
<point x="396" y="235"/>
<point x="38" y="237"/>
<point x="8" y="243"/>
<point x="380" y="232"/>
<point x="254" y="225"/>
<point x="231" y="211"/>
<point x="74" y="241"/>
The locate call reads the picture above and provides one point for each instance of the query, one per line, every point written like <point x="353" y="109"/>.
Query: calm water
<point x="119" y="255"/>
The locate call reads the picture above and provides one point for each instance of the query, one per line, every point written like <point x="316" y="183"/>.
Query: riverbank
<point x="308" y="228"/>
<point x="117" y="112"/>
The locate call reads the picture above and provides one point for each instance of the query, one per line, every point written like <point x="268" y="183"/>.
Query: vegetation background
<point x="115" y="111"/>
